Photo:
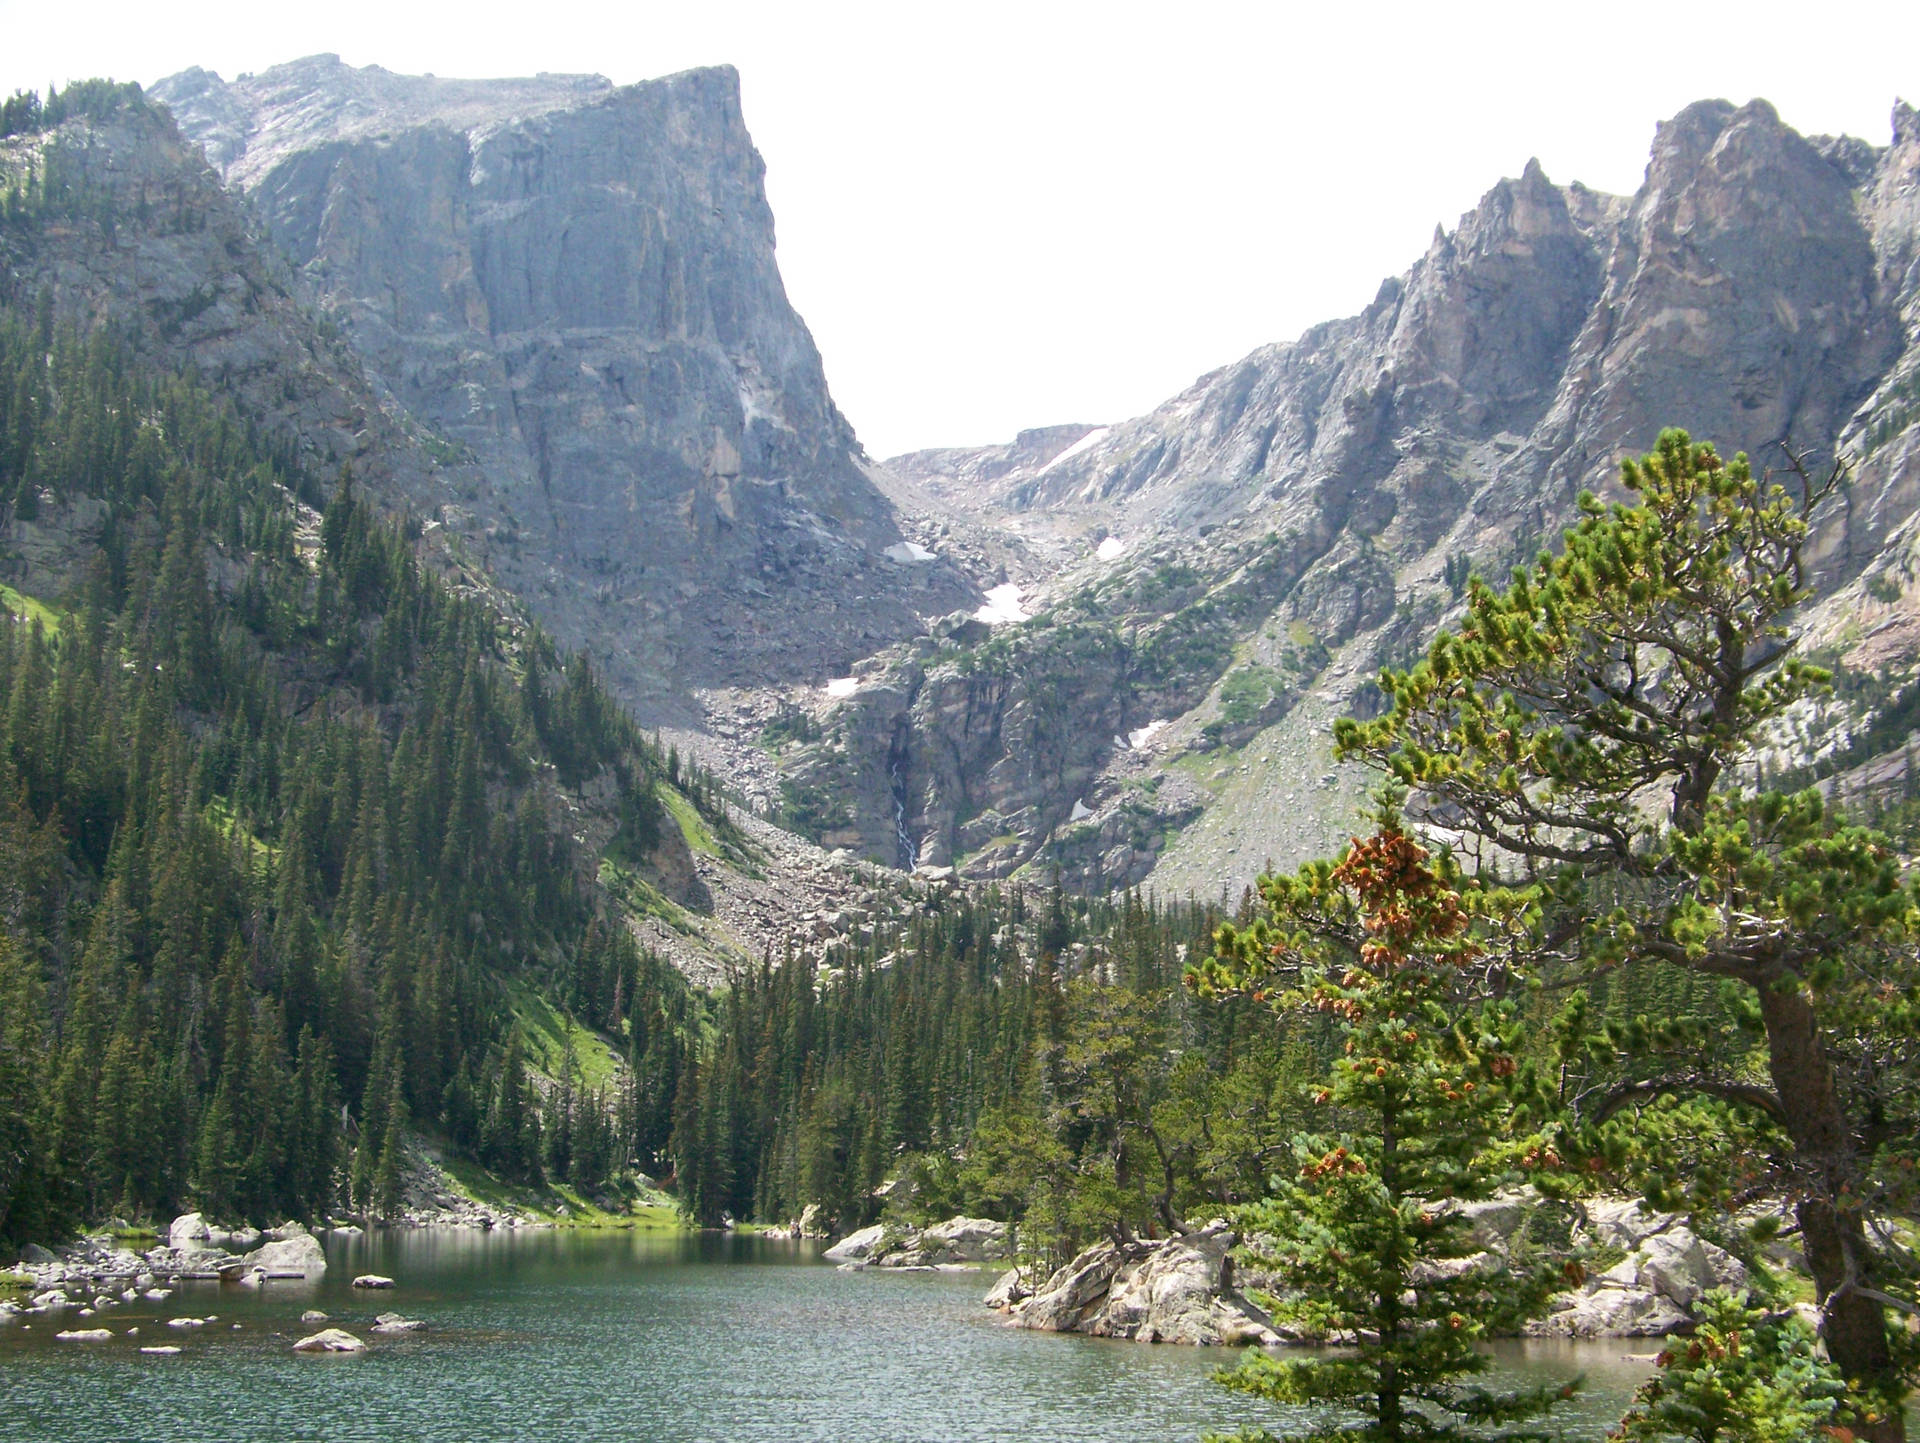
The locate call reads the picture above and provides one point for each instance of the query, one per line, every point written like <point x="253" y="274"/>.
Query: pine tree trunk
<point x="1833" y="1236"/>
<point x="1392" y="1419"/>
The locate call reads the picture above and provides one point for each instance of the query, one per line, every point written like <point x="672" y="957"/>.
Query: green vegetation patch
<point x="692" y="825"/>
<point x="30" y="608"/>
<point x="642" y="898"/>
<point x="548" y="1031"/>
<point x="1245" y="692"/>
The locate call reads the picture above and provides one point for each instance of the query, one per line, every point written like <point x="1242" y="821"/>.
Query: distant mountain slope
<point x="1296" y="518"/>
<point x="572" y="286"/>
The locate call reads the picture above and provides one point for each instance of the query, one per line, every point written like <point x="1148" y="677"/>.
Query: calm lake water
<point x="575" y="1337"/>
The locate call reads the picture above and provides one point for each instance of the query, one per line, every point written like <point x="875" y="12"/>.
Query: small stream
<point x="907" y="849"/>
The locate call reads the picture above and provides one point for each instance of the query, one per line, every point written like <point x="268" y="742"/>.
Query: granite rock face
<point x="572" y="287"/>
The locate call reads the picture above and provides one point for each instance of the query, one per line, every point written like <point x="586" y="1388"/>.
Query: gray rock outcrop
<point x="300" y="1255"/>
<point x="1179" y="1290"/>
<point x="957" y="1242"/>
<point x="857" y="1247"/>
<point x="1652" y="1290"/>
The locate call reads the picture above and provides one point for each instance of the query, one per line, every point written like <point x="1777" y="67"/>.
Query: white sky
<point x="996" y="215"/>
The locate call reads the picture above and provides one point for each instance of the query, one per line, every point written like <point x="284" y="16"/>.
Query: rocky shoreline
<point x="1185" y="1290"/>
<point x="99" y="1272"/>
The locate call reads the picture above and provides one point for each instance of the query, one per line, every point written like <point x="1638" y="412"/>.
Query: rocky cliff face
<point x="561" y="336"/>
<point x="572" y="288"/>
<point x="1759" y="289"/>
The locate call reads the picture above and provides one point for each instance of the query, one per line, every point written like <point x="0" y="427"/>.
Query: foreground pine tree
<point x="1602" y="724"/>
<point x="1743" y="1374"/>
<point x="1367" y="1237"/>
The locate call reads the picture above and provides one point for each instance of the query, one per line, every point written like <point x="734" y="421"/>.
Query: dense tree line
<point x="1030" y="1056"/>
<point x="279" y="810"/>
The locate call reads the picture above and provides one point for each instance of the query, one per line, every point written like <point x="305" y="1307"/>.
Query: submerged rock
<point x="330" y="1340"/>
<point x="372" y="1280"/>
<point x="84" y="1335"/>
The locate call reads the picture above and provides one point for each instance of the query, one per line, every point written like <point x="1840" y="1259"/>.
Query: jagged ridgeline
<point x="285" y="823"/>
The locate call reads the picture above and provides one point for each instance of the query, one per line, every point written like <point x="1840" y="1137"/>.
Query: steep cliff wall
<point x="573" y="287"/>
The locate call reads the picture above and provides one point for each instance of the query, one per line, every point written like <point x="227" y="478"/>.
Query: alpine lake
<point x="560" y="1336"/>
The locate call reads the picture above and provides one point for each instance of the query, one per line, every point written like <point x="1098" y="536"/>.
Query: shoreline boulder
<point x="190" y="1234"/>
<point x="856" y="1247"/>
<point x="291" y="1254"/>
<point x="957" y="1242"/>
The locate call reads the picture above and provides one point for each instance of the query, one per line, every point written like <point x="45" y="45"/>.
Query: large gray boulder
<point x="1071" y="1298"/>
<point x="857" y="1247"/>
<point x="300" y="1255"/>
<point x="190" y="1234"/>
<point x="964" y="1240"/>
<point x="957" y="1242"/>
<point x="1608" y="1311"/>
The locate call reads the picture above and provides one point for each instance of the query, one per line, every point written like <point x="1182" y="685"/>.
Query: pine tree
<point x="1592" y="722"/>
<point x="1368" y="1235"/>
<point x="1742" y="1374"/>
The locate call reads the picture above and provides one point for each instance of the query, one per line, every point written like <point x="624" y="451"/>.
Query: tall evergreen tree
<point x="1368" y="1234"/>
